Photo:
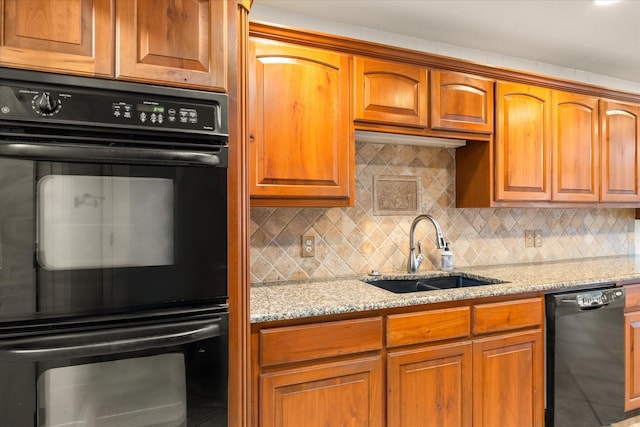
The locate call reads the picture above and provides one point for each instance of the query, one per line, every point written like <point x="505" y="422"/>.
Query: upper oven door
<point x="130" y="228"/>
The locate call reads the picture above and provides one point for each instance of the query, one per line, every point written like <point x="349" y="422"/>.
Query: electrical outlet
<point x="537" y="238"/>
<point x="529" y="240"/>
<point x="308" y="246"/>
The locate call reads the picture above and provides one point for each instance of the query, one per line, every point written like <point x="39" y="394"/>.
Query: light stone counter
<point x="292" y="300"/>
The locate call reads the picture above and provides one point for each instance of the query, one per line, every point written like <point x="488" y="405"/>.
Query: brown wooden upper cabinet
<point x="575" y="148"/>
<point x="461" y="102"/>
<point x="300" y="144"/>
<point x="620" y="152"/>
<point x="395" y="96"/>
<point x="181" y="43"/>
<point x="155" y="41"/>
<point x="61" y="36"/>
<point x="522" y="144"/>
<point x="390" y="93"/>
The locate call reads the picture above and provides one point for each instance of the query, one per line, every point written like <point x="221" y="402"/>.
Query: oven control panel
<point x="69" y="105"/>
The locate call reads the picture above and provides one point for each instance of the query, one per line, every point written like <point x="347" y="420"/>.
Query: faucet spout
<point x="416" y="259"/>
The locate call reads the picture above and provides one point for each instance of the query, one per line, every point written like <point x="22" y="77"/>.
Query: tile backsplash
<point x="355" y="240"/>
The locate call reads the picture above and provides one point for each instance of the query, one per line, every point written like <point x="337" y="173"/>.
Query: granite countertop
<point x="299" y="299"/>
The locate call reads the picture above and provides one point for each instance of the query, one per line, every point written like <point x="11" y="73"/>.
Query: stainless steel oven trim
<point x="112" y="341"/>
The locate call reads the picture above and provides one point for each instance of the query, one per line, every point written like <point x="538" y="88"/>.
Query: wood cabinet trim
<point x="428" y="60"/>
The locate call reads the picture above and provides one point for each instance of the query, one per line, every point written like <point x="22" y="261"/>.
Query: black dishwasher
<point x="585" y="357"/>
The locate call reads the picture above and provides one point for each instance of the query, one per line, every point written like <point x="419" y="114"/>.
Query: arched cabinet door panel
<point x="575" y="148"/>
<point x="620" y="151"/>
<point x="523" y="147"/>
<point x="461" y="102"/>
<point x="389" y="93"/>
<point x="301" y="152"/>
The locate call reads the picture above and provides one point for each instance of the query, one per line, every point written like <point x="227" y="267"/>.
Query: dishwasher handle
<point x="593" y="299"/>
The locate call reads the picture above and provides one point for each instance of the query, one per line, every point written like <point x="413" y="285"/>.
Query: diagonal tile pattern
<point x="355" y="241"/>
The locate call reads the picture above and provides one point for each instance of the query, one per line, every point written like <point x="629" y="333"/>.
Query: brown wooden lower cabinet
<point x="632" y="361"/>
<point x="631" y="349"/>
<point x="438" y="372"/>
<point x="430" y="386"/>
<point x="496" y="381"/>
<point x="345" y="393"/>
<point x="508" y="380"/>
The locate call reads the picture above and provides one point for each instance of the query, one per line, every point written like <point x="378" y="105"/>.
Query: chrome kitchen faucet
<point x="416" y="260"/>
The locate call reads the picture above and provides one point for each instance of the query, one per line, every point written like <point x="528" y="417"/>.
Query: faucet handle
<point x="419" y="247"/>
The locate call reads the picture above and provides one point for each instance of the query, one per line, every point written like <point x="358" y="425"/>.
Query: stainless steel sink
<point x="400" y="286"/>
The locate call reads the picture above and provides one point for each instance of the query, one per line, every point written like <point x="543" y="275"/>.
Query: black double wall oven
<point x="113" y="253"/>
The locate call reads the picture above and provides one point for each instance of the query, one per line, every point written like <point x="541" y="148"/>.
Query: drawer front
<point x="504" y="316"/>
<point x="428" y="326"/>
<point x="306" y="342"/>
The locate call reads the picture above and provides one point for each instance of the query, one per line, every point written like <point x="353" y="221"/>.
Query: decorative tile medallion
<point x="396" y="195"/>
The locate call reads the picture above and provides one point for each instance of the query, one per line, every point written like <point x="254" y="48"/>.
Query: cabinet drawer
<point x="428" y="326"/>
<point x="306" y="342"/>
<point x="632" y="296"/>
<point x="504" y="316"/>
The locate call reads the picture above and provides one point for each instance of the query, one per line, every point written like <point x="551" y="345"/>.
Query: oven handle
<point x="114" y="341"/>
<point x="102" y="154"/>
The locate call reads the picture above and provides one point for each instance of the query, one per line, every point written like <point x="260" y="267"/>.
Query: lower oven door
<point x="164" y="373"/>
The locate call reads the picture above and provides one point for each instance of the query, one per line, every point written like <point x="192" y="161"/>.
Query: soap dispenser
<point x="447" y="259"/>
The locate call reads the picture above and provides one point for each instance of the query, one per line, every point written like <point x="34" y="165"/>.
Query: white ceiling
<point x="577" y="34"/>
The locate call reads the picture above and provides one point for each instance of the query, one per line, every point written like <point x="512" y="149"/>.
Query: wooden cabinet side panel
<point x="348" y="393"/>
<point x="461" y="102"/>
<point x="300" y="139"/>
<point x="523" y="148"/>
<point x="430" y="387"/>
<point x="575" y="142"/>
<point x="632" y="361"/>
<point x="508" y="378"/>
<point x="620" y="145"/>
<point x="62" y="36"/>
<point x="632" y="297"/>
<point x="182" y="43"/>
<point x="388" y="92"/>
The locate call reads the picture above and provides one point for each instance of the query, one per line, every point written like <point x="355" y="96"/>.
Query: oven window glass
<point x="135" y="392"/>
<point x="104" y="221"/>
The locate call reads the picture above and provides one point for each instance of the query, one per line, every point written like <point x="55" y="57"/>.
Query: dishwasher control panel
<point x="598" y="298"/>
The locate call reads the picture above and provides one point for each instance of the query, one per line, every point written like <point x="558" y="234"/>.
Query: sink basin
<point x="400" y="286"/>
